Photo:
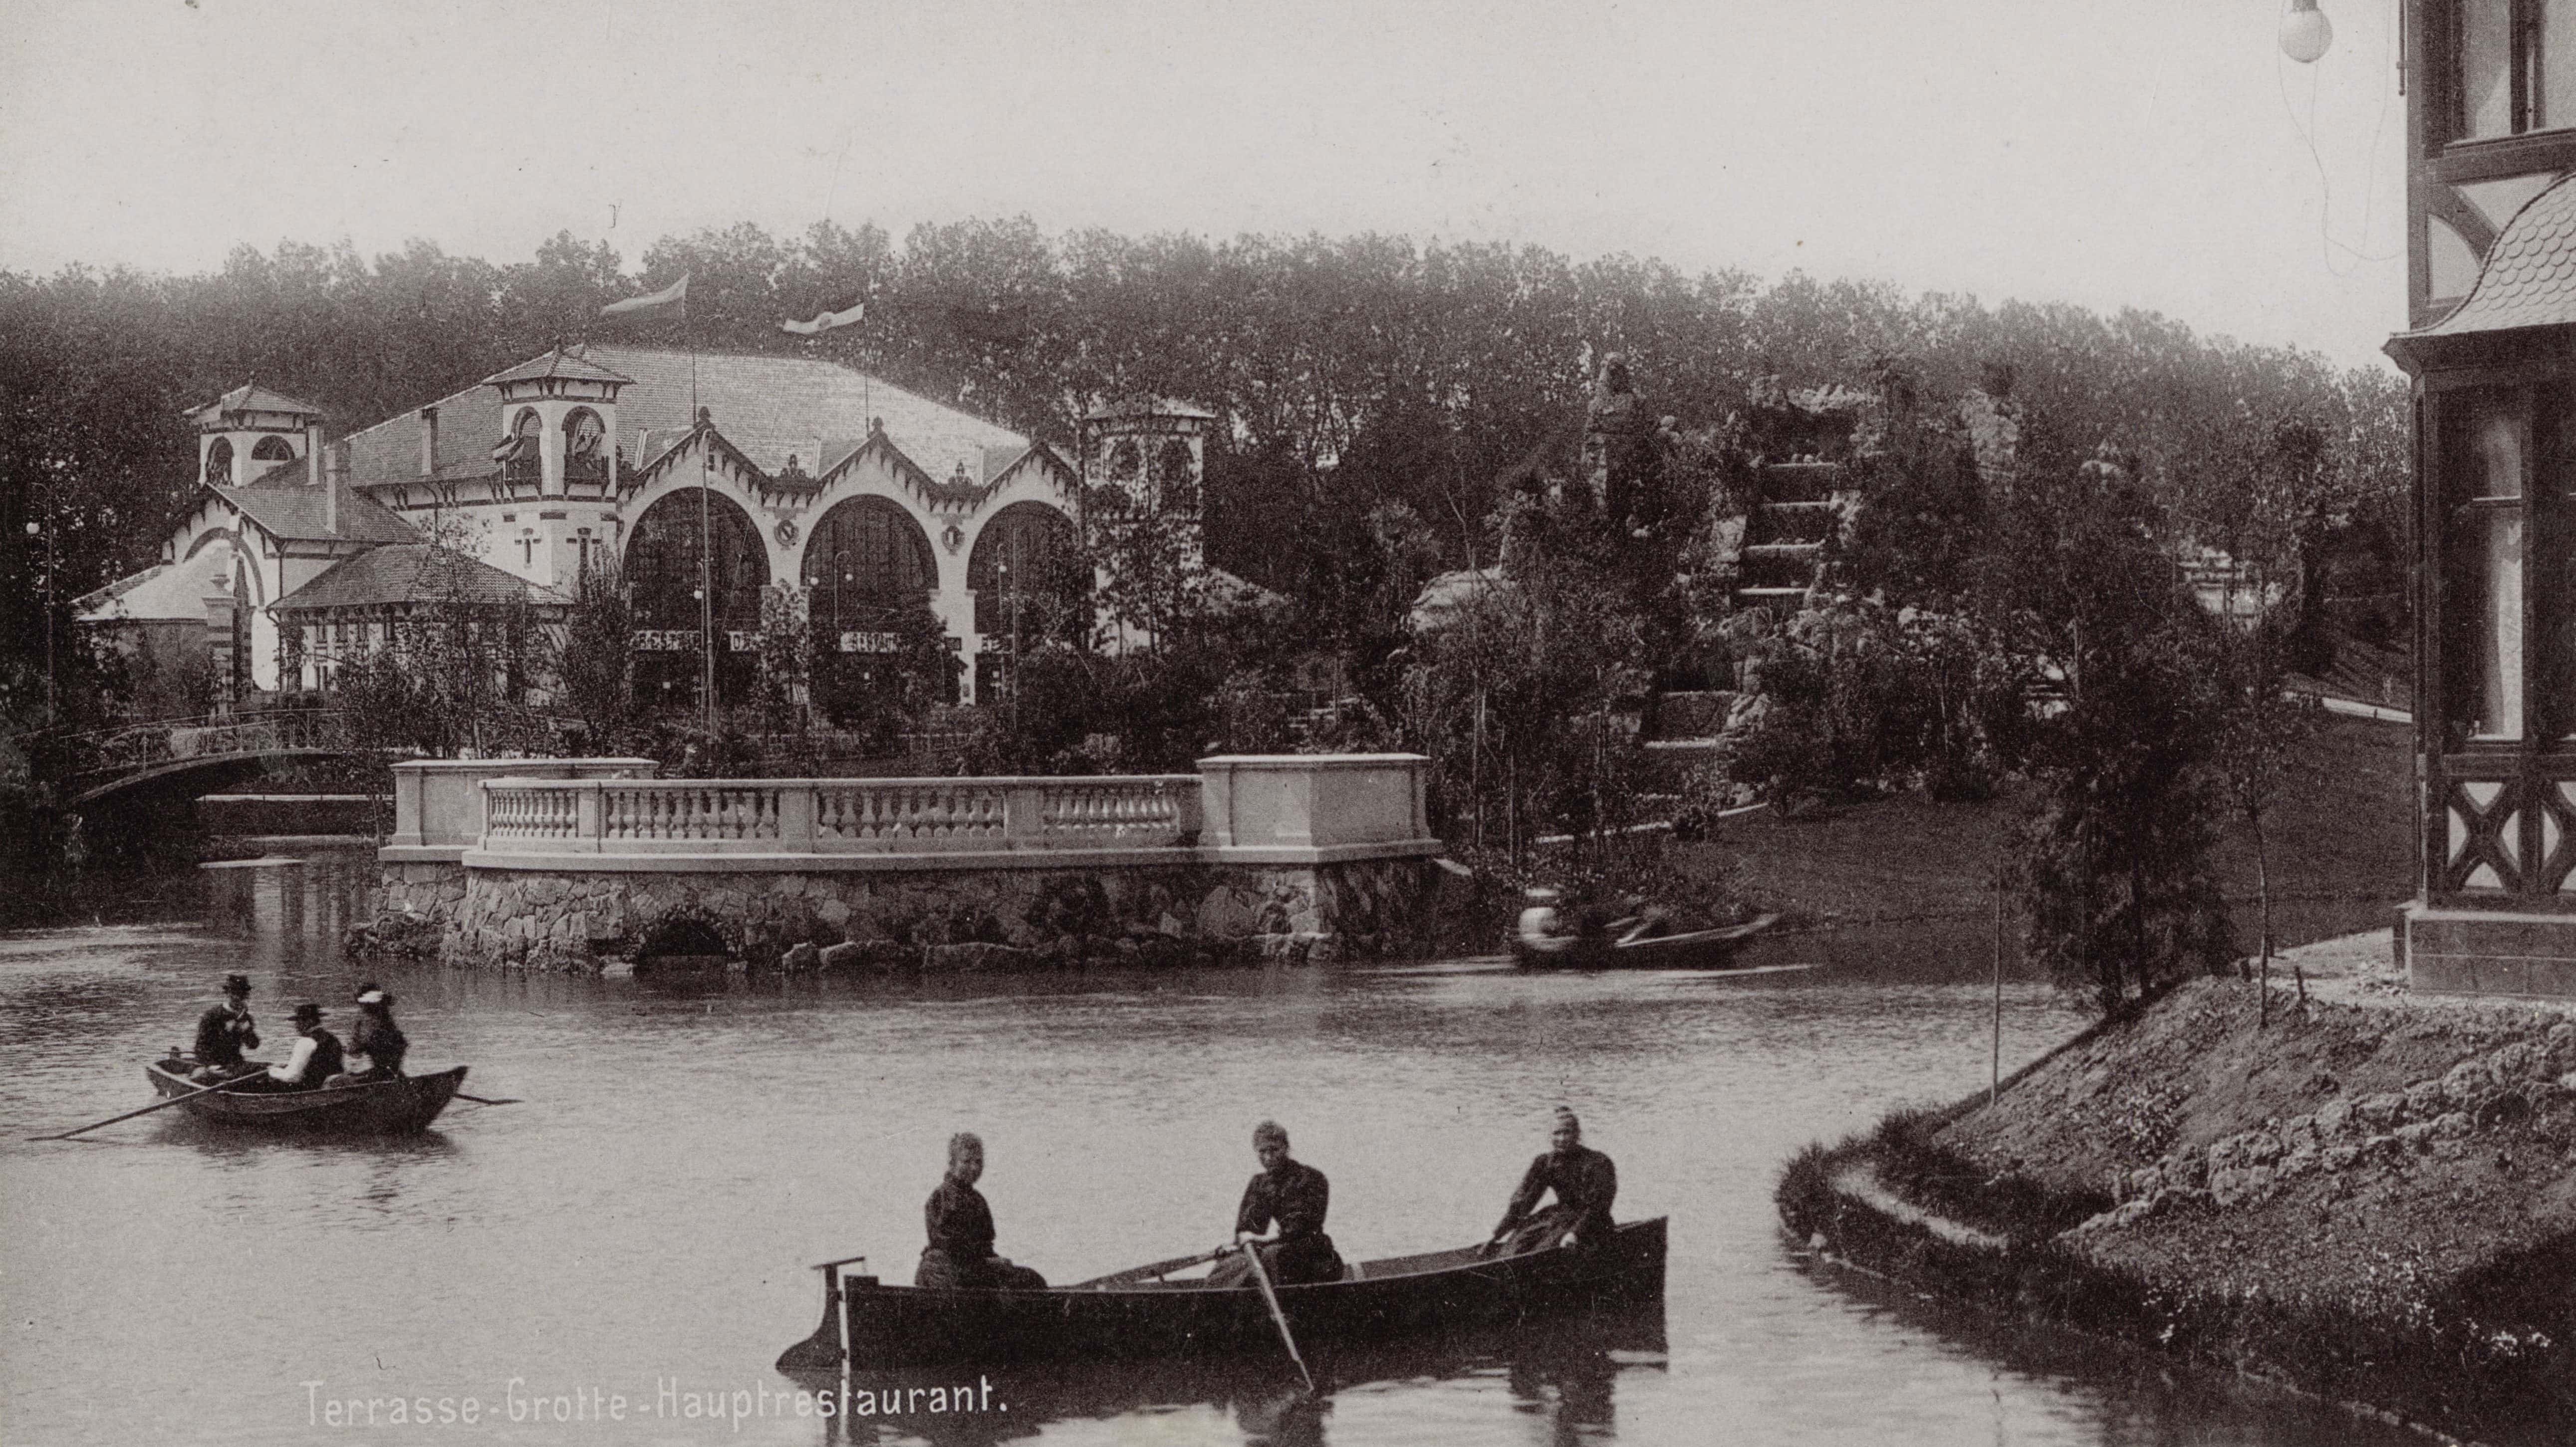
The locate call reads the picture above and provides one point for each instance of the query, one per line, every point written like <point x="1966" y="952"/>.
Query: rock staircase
<point x="1785" y="531"/>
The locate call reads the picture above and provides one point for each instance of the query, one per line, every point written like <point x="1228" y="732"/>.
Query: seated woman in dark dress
<point x="377" y="1045"/>
<point x="1295" y="1196"/>
<point x="960" y="1253"/>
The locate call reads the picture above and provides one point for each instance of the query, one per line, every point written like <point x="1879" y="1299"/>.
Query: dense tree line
<point x="1370" y="386"/>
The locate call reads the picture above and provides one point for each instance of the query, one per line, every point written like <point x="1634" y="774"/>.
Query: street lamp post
<point x="53" y="701"/>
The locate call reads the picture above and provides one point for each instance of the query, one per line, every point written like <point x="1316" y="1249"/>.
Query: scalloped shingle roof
<point x="2529" y="279"/>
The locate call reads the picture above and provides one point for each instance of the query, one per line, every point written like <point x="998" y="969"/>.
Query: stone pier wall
<point x="947" y="920"/>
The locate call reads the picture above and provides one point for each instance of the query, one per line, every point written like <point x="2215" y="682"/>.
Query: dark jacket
<point x="959" y="1222"/>
<point x="1296" y="1196"/>
<point x="328" y="1060"/>
<point x="222" y="1036"/>
<point x="381" y="1041"/>
<point x="1585" y="1184"/>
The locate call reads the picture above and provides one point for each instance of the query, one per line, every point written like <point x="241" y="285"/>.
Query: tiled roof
<point x="252" y="397"/>
<point x="412" y="573"/>
<point x="557" y="363"/>
<point x="164" y="590"/>
<point x="2529" y="279"/>
<point x="290" y="508"/>
<point x="768" y="406"/>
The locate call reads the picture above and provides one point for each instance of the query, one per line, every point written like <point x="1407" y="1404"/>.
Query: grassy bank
<point x="2374" y="1203"/>
<point x="2340" y="833"/>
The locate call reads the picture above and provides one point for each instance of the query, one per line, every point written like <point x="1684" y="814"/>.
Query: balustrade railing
<point x="141" y="745"/>
<point x="839" y="816"/>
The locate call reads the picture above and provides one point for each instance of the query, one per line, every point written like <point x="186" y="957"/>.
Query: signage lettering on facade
<point x="870" y="643"/>
<point x="685" y="640"/>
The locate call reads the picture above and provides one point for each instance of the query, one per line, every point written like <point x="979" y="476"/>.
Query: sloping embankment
<point x="2375" y="1203"/>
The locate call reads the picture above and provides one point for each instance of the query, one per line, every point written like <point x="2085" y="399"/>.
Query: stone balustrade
<point x="439" y="804"/>
<point x="934" y="821"/>
<point x="1279" y="858"/>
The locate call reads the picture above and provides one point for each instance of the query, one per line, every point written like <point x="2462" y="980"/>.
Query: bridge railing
<point x="840" y="816"/>
<point x="130" y="747"/>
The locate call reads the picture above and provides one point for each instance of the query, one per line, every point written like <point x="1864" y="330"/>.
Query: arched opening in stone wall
<point x="663" y="569"/>
<point x="678" y="940"/>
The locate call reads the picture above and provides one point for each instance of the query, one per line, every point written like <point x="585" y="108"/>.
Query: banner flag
<point x="677" y="293"/>
<point x="841" y="314"/>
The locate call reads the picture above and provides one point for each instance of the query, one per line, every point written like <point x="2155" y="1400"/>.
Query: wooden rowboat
<point x="1708" y="949"/>
<point x="1441" y="1292"/>
<point x="390" y="1107"/>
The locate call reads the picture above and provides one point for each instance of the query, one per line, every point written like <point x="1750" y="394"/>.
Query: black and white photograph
<point x="1263" y="723"/>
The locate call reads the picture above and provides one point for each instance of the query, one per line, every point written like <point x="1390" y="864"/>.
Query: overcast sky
<point x="2150" y="153"/>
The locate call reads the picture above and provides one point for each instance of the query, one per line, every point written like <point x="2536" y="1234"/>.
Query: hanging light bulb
<point x="2305" y="32"/>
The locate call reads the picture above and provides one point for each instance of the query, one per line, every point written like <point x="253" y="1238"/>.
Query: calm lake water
<point x="639" y="1227"/>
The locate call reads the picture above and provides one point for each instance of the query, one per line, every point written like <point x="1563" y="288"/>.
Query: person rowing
<point x="960" y="1253"/>
<point x="224" y="1033"/>
<point x="315" y="1057"/>
<point x="377" y="1045"/>
<point x="1585" y="1183"/>
<point x="1282" y="1217"/>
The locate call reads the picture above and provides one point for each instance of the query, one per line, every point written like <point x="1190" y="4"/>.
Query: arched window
<point x="1176" y="483"/>
<point x="864" y="560"/>
<point x="272" y="449"/>
<point x="522" y="457"/>
<point x="1124" y="460"/>
<point x="219" y="462"/>
<point x="662" y="570"/>
<point x="585" y="446"/>
<point x="1029" y="577"/>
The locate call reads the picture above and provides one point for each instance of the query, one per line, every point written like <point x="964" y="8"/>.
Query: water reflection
<point x="1561" y="1373"/>
<point x="685" y="1143"/>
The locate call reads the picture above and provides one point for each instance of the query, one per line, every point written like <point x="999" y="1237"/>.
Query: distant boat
<point x="1123" y="1317"/>
<point x="1708" y="949"/>
<point x="389" y="1107"/>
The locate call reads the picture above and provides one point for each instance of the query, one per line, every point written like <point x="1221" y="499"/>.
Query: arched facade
<point x="219" y="462"/>
<point x="662" y="567"/>
<point x="865" y="558"/>
<point x="1030" y="582"/>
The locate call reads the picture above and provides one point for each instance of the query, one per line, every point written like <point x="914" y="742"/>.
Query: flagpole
<point x="706" y="543"/>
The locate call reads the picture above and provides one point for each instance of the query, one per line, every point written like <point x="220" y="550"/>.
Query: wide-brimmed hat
<point x="236" y="984"/>
<point x="308" y="1012"/>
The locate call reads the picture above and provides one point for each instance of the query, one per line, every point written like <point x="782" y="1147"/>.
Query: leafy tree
<point x="592" y="664"/>
<point x="2115" y="865"/>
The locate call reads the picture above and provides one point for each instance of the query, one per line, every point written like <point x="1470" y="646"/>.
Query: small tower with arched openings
<point x="1144" y="471"/>
<point x="249" y="430"/>
<point x="557" y="451"/>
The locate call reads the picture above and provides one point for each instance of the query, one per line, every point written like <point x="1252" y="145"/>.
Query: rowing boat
<point x="1708" y="949"/>
<point x="389" y="1107"/>
<point x="1121" y="1318"/>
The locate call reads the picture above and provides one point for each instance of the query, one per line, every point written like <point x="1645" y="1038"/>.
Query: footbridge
<point x="185" y="757"/>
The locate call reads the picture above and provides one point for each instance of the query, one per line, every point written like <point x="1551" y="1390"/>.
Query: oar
<point x="1278" y="1318"/>
<point x="162" y="1104"/>
<point x="487" y="1100"/>
<point x="1144" y="1273"/>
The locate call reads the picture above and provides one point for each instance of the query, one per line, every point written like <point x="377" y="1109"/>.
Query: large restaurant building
<point x="863" y="499"/>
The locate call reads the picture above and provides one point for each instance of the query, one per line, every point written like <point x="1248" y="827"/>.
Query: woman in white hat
<point x="376" y="1046"/>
